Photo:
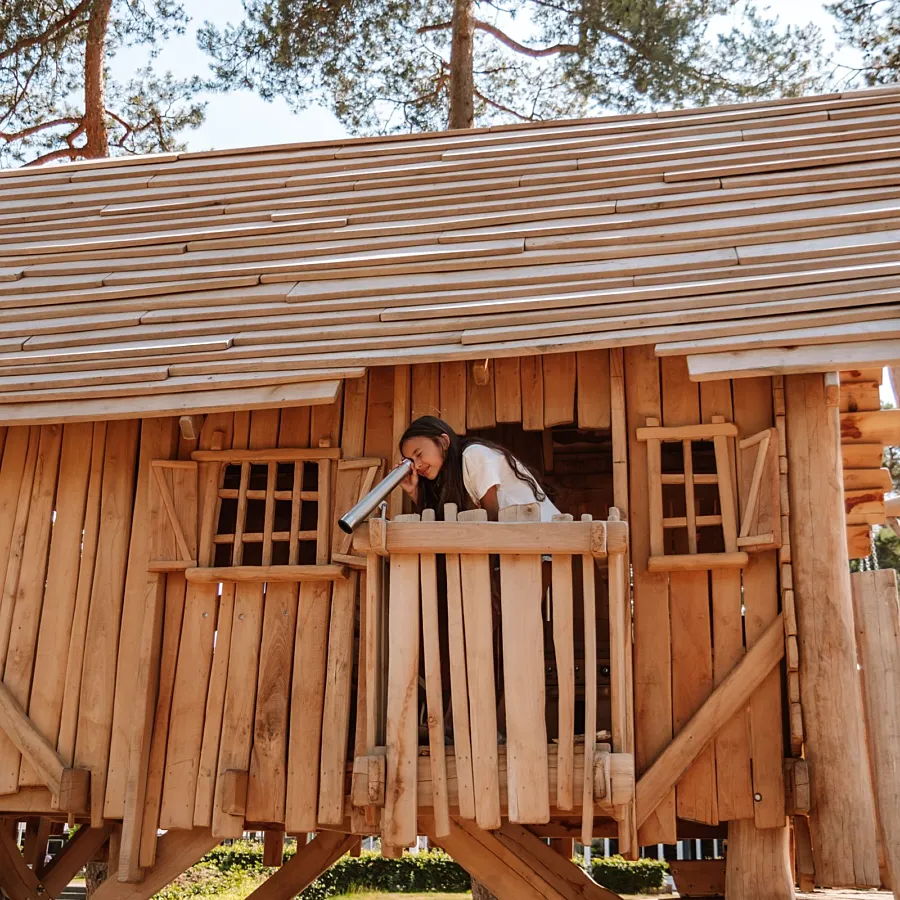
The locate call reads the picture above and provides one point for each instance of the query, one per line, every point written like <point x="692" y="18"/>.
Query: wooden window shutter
<point x="355" y="478"/>
<point x="760" y="497"/>
<point x="173" y="515"/>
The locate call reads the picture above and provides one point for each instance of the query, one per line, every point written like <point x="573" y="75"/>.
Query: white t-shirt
<point x="484" y="467"/>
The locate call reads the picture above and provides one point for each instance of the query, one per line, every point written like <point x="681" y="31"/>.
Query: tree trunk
<point x="95" y="130"/>
<point x="480" y="892"/>
<point x="462" y="81"/>
<point x="94" y="875"/>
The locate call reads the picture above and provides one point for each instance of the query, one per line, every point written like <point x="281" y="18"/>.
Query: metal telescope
<point x="353" y="517"/>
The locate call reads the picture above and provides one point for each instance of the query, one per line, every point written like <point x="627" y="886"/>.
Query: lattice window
<point x="660" y="483"/>
<point x="272" y="507"/>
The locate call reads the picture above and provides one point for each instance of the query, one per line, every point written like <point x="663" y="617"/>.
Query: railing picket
<point x="523" y="670"/>
<point x="476" y="591"/>
<point x="433" y="688"/>
<point x="564" y="648"/>
<point x="400" y="822"/>
<point x="459" y="682"/>
<point x="590" y="696"/>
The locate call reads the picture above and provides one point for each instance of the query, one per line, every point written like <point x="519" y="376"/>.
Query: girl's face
<point x="427" y="454"/>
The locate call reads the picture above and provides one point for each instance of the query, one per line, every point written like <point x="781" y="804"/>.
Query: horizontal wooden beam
<point x="880" y="426"/>
<point x="692" y="562"/>
<point x="790" y="360"/>
<point x="593" y="538"/>
<point x="721" y="706"/>
<point x="69" y="786"/>
<point x="272" y="455"/>
<point x="307" y="393"/>
<point x="270" y="574"/>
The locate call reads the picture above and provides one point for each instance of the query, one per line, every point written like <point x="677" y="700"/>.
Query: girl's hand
<point x="410" y="484"/>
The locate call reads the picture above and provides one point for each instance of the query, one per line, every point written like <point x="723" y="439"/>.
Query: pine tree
<point x="56" y="98"/>
<point x="417" y="65"/>
<point x="872" y="27"/>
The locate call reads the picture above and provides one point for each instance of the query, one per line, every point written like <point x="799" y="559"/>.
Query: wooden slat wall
<point x="270" y="725"/>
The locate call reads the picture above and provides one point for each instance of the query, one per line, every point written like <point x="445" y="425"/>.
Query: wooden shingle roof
<point x="178" y="281"/>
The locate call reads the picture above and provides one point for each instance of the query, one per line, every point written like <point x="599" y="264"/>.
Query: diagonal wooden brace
<point x="70" y="787"/>
<point x="724" y="702"/>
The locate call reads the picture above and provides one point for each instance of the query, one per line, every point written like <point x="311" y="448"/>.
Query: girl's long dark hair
<point x="449" y="487"/>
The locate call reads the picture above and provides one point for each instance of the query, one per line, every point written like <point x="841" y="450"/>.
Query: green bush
<point x="228" y="867"/>
<point x="625" y="876"/>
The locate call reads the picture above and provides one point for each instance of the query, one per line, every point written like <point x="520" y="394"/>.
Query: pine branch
<point x="504" y="38"/>
<point x="503" y="108"/>
<point x="49" y="33"/>
<point x="9" y="137"/>
<point x="70" y="153"/>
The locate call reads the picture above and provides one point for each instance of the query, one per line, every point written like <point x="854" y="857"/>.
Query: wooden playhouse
<point x="679" y="319"/>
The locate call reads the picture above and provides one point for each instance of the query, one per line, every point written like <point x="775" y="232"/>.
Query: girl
<point x="468" y="471"/>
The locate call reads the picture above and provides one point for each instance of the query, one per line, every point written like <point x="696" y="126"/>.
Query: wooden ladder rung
<point x="256" y="537"/>
<point x="681" y="521"/>
<point x="698" y="479"/>
<point x="233" y="494"/>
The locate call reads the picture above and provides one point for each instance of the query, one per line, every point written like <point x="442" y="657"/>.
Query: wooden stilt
<point x="16" y="879"/>
<point x="842" y="818"/>
<point x="80" y="847"/>
<point x="758" y="864"/>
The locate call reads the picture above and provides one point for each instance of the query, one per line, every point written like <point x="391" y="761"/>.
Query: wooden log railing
<point x="493" y="579"/>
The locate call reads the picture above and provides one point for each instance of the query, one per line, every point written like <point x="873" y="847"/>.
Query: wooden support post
<point x="80" y="848"/>
<point x="176" y="853"/>
<point x="758" y="865"/>
<point x="877" y="618"/>
<point x="842" y="818"/>
<point x="16" y="879"/>
<point x="306" y="865"/>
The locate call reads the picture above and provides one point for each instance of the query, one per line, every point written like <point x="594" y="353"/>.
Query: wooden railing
<point x="478" y="594"/>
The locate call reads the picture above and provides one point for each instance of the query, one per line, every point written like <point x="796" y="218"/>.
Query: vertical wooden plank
<point x="564" y="649"/>
<point x="594" y="405"/>
<point x="559" y="388"/>
<point x="628" y="843"/>
<point x="877" y="624"/>
<point x="353" y="426"/>
<point x="22" y="491"/>
<point x="453" y="395"/>
<point x="480" y="395"/>
<point x="293" y="429"/>
<point x="433" y="690"/>
<point x="307" y="704"/>
<point x="459" y="682"/>
<point x="199" y="803"/>
<point x="246" y="632"/>
<point x="692" y="679"/>
<point x="426" y="390"/>
<point x="150" y="638"/>
<point x="590" y="695"/>
<point x="507" y="389"/>
<point x="173" y="615"/>
<point x="380" y="414"/>
<point x="186" y="763"/>
<point x="753" y="412"/>
<point x="375" y="643"/>
<point x="652" y="628"/>
<point x="159" y="440"/>
<point x="532" y="373"/>
<point x="324" y="511"/>
<point x="475" y="576"/>
<point x="98" y="682"/>
<point x="399" y="423"/>
<point x="12" y="473"/>
<point x="336" y="716"/>
<point x="46" y="702"/>
<point x="734" y="785"/>
<point x="400" y="808"/>
<point x="30" y="592"/>
<point x="325" y="421"/>
<point x="68" y="718"/>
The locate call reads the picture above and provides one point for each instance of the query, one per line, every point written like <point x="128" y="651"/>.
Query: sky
<point x="240" y="118"/>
